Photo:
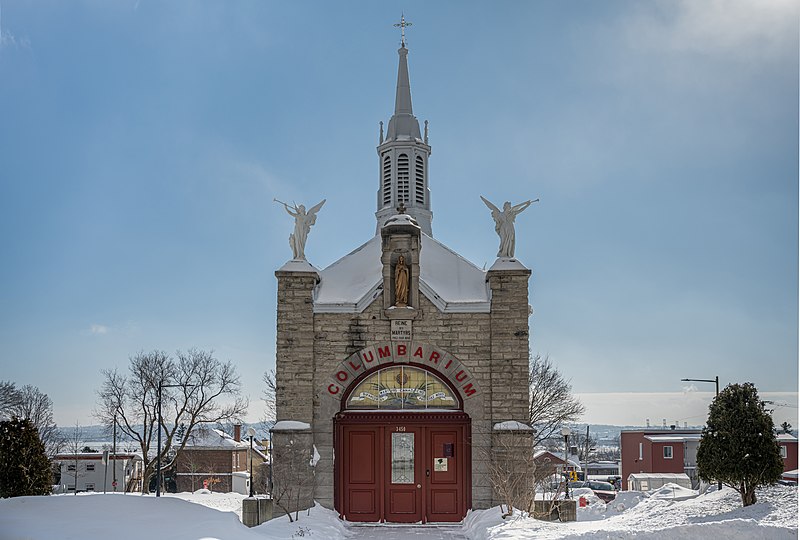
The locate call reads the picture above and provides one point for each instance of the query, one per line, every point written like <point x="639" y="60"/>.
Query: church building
<point x="401" y="366"/>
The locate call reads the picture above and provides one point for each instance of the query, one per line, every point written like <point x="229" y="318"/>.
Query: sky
<point x="142" y="144"/>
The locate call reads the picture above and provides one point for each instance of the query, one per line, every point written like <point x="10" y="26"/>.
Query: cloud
<point x="757" y="30"/>
<point x="689" y="388"/>
<point x="7" y="39"/>
<point x="98" y="329"/>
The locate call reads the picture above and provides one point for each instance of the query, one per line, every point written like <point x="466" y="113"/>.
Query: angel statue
<point x="504" y="224"/>
<point x="302" y="224"/>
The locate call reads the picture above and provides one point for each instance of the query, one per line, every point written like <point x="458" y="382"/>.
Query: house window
<point x="90" y="466"/>
<point x="89" y="487"/>
<point x="70" y="488"/>
<point x="71" y="468"/>
<point x="667" y="452"/>
<point x="641" y="451"/>
<point x="784" y="454"/>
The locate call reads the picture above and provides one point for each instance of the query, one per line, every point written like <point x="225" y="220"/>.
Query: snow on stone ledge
<point x="290" y="425"/>
<point x="512" y="425"/>
<point x="507" y="263"/>
<point x="296" y="265"/>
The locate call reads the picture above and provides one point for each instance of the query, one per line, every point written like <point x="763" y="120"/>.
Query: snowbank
<point x="633" y="515"/>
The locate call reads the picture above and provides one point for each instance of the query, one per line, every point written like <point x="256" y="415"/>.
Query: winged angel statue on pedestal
<point x="302" y="225"/>
<point x="504" y="224"/>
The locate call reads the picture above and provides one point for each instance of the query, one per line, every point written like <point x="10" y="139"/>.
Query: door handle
<point x="419" y="486"/>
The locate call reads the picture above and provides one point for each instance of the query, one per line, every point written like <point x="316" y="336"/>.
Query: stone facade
<point x="493" y="346"/>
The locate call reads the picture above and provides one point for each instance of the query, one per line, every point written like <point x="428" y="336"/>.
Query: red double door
<point x="403" y="468"/>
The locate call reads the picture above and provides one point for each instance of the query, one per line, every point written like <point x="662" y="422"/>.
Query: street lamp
<point x="158" y="454"/>
<point x="251" y="433"/>
<point x="565" y="431"/>
<point x="715" y="380"/>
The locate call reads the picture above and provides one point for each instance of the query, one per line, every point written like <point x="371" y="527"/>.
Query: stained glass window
<point x="402" y="387"/>
<point x="402" y="458"/>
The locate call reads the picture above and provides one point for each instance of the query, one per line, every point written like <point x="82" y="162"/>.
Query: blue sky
<point x="142" y="144"/>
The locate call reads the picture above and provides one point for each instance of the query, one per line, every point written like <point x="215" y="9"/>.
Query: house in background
<point x="214" y="460"/>
<point x="659" y="451"/>
<point x="89" y="471"/>
<point x="788" y="445"/>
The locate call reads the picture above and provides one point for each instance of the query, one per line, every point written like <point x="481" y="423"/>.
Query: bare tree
<point x="202" y="390"/>
<point x="29" y="403"/>
<point x="9" y="399"/>
<point x="293" y="468"/>
<point x="73" y="444"/>
<point x="551" y="401"/>
<point x="268" y="396"/>
<point x="512" y="471"/>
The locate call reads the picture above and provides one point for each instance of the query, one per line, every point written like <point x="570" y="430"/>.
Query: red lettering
<point x="401" y="350"/>
<point x="342" y="376"/>
<point x="468" y="389"/>
<point x="384" y="353"/>
<point x="418" y="352"/>
<point x="355" y="367"/>
<point x="368" y="360"/>
<point x="333" y="389"/>
<point x="461" y="375"/>
<point x="449" y="362"/>
<point x="434" y="357"/>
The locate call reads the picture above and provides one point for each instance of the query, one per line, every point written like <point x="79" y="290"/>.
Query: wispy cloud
<point x="98" y="329"/>
<point x="7" y="39"/>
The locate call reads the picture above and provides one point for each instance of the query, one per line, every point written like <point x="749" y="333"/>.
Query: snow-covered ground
<point x="205" y="516"/>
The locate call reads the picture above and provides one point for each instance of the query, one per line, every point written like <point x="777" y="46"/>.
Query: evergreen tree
<point x="738" y="445"/>
<point x="24" y="467"/>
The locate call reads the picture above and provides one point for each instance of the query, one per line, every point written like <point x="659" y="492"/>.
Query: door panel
<point x="362" y="446"/>
<point x="445" y="486"/>
<point x="404" y="448"/>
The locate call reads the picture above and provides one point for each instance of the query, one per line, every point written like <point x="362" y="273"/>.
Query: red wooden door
<point x="444" y="473"/>
<point x="362" y="482"/>
<point x="403" y="473"/>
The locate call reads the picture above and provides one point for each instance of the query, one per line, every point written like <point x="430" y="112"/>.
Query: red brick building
<point x="217" y="461"/>
<point x="788" y="444"/>
<point x="659" y="451"/>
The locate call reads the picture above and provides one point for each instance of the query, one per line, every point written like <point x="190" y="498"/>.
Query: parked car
<point x="604" y="491"/>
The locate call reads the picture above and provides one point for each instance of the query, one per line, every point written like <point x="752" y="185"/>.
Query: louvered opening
<point x="419" y="174"/>
<point x="402" y="178"/>
<point x="387" y="181"/>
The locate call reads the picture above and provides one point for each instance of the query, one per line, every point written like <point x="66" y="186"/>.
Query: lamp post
<point x="251" y="433"/>
<point x="715" y="380"/>
<point x="161" y="385"/>
<point x="565" y="431"/>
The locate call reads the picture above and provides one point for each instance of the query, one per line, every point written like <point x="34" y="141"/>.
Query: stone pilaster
<point x="294" y="362"/>
<point x="508" y="280"/>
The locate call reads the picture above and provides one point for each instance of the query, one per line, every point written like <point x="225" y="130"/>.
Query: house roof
<point x="786" y="437"/>
<point x="673" y="438"/>
<point x="448" y="280"/>
<point x="214" y="438"/>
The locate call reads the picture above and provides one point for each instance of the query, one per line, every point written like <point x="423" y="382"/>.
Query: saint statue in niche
<point x="504" y="224"/>
<point x="401" y="283"/>
<point x="302" y="225"/>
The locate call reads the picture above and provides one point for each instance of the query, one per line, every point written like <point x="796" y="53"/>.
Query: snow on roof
<point x="786" y="437"/>
<point x="664" y="476"/>
<point x="447" y="279"/>
<point x="214" y="438"/>
<point x="672" y="438"/>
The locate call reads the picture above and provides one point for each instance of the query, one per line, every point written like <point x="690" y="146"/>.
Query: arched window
<point x="402" y="178"/>
<point x="387" y="180"/>
<point x="419" y="176"/>
<point x="402" y="387"/>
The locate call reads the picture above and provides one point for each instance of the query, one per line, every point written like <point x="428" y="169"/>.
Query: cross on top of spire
<point x="402" y="25"/>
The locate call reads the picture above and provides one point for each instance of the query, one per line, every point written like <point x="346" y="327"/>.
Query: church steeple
<point x="403" y="155"/>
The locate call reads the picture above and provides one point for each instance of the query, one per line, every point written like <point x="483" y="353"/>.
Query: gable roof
<point x="214" y="438"/>
<point x="448" y="280"/>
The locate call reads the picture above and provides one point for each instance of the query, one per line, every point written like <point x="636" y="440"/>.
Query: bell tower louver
<point x="403" y="158"/>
